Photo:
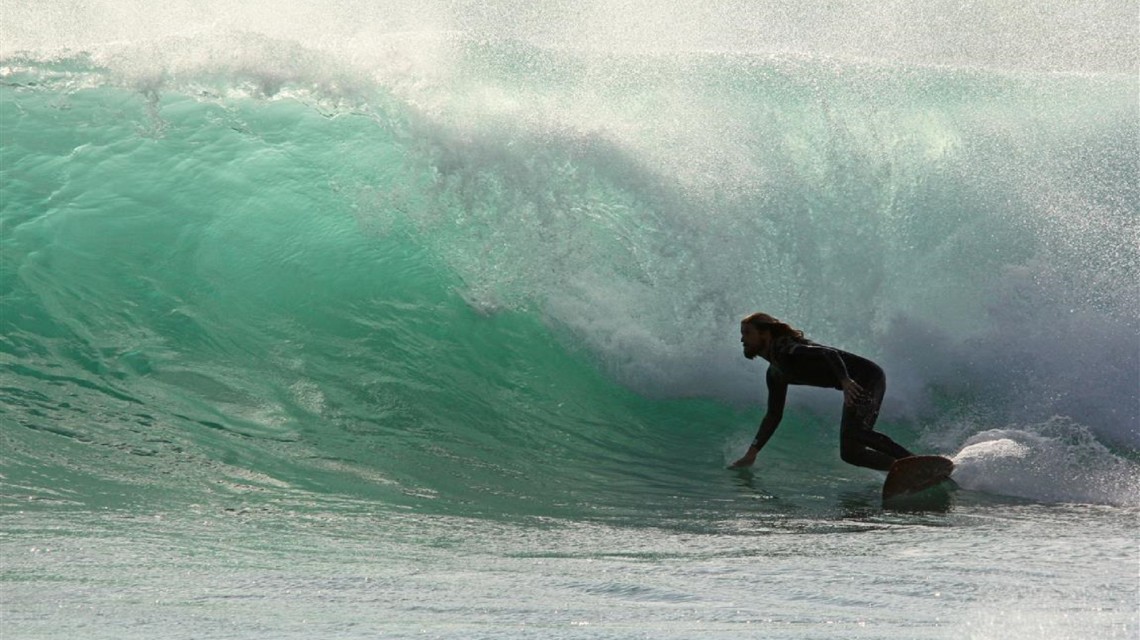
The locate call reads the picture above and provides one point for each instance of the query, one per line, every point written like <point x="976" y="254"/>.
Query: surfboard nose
<point x="915" y="474"/>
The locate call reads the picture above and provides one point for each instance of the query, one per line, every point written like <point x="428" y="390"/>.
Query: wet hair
<point x="765" y="322"/>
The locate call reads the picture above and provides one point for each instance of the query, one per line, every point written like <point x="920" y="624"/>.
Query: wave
<point x="485" y="272"/>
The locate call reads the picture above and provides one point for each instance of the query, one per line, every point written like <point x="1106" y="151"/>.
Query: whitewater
<point x="395" y="319"/>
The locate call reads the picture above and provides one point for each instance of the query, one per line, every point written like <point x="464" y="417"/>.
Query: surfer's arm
<point x="767" y="428"/>
<point x="852" y="391"/>
<point x="777" y="394"/>
<point x="834" y="359"/>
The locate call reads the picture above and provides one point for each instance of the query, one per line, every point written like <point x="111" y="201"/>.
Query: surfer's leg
<point x="859" y="443"/>
<point x="878" y="443"/>
<point x="855" y="452"/>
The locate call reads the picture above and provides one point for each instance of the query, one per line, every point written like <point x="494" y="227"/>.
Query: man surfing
<point x="793" y="359"/>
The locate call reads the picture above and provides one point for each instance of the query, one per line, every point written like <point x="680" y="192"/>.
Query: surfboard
<point x="919" y="483"/>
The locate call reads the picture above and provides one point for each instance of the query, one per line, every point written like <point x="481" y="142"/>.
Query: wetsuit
<point x="808" y="363"/>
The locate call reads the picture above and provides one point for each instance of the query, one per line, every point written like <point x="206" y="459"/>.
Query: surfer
<point x="793" y="359"/>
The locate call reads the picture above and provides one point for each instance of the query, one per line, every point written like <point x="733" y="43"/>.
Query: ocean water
<point x="420" y="319"/>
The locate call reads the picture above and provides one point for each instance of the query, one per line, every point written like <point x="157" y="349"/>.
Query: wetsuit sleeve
<point x="833" y="358"/>
<point x="777" y="393"/>
<point x="835" y="361"/>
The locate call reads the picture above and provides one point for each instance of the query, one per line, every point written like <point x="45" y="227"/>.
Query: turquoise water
<point x="422" y="320"/>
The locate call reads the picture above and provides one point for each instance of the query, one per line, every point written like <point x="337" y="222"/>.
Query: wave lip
<point x="1049" y="36"/>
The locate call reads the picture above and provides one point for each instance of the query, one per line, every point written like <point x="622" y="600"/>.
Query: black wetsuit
<point x="808" y="363"/>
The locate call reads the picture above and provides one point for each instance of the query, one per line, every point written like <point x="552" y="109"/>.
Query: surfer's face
<point x="754" y="340"/>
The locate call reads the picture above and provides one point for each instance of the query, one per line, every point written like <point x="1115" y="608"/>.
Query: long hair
<point x="765" y="322"/>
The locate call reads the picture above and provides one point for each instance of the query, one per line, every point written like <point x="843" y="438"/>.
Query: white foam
<point x="1055" y="461"/>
